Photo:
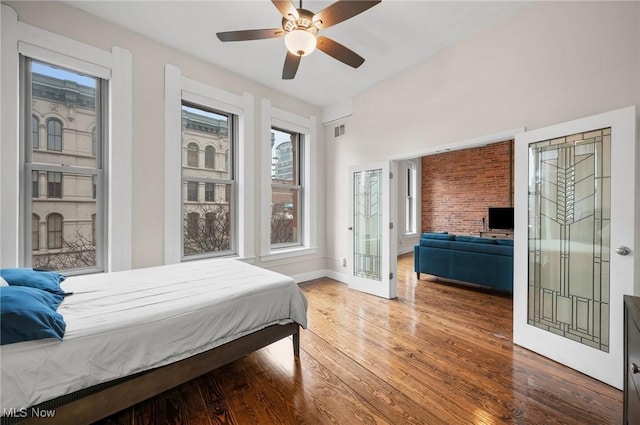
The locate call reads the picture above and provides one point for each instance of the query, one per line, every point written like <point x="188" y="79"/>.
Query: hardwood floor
<point x="438" y="354"/>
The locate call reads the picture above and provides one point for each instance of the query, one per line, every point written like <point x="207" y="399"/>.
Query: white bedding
<point x="126" y="322"/>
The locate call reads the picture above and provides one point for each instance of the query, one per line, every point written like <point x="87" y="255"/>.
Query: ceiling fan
<point x="300" y="31"/>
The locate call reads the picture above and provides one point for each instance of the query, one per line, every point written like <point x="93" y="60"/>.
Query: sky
<point x="63" y="74"/>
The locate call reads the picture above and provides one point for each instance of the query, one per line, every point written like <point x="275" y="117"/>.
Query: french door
<point x="372" y="241"/>
<point x="574" y="241"/>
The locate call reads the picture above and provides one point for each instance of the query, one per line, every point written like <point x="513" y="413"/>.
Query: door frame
<point x="606" y="367"/>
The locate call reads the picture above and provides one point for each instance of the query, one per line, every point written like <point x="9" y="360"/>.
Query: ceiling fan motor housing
<point x="304" y="22"/>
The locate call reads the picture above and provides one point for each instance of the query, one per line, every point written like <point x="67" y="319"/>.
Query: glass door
<point x="572" y="267"/>
<point x="373" y="255"/>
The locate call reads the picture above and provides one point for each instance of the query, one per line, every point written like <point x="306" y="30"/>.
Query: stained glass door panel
<point x="569" y="234"/>
<point x="371" y="249"/>
<point x="367" y="224"/>
<point x="575" y="210"/>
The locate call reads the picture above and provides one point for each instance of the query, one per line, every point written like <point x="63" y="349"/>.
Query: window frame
<point x="199" y="182"/>
<point x="179" y="88"/>
<point x="297" y="184"/>
<point x="410" y="199"/>
<point x="114" y="65"/>
<point x="307" y="128"/>
<point x="60" y="170"/>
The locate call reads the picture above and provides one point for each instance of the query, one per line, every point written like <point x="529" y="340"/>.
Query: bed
<point x="131" y="335"/>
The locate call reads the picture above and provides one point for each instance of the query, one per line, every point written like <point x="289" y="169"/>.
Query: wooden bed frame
<point x="112" y="398"/>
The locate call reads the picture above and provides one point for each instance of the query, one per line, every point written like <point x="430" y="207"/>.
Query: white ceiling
<point x="391" y="36"/>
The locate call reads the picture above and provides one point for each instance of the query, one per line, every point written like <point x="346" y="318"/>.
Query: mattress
<point x="126" y="322"/>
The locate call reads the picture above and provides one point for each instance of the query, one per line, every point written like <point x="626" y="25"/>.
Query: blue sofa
<point x="483" y="261"/>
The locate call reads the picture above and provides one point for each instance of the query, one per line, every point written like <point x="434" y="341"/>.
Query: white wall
<point x="149" y="59"/>
<point x="547" y="63"/>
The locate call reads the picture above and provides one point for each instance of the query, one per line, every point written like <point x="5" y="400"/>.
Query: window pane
<point x="54" y="231"/>
<point x="285" y="189"/>
<point x="54" y="185"/>
<point x="210" y="157"/>
<point x="284" y="148"/>
<point x="54" y="134"/>
<point x="209" y="192"/>
<point x="35" y="132"/>
<point x="207" y="226"/>
<point x="35" y="232"/>
<point x="35" y="186"/>
<point x="207" y="201"/>
<point x="71" y="223"/>
<point x="192" y="191"/>
<point x="204" y="128"/>
<point x="66" y="101"/>
<point x="192" y="155"/>
<point x="284" y="215"/>
<point x="66" y="197"/>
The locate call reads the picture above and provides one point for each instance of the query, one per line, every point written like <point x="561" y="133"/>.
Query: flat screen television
<point x="500" y="218"/>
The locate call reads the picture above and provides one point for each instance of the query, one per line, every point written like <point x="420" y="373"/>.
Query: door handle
<point x="623" y="250"/>
<point x="350" y="228"/>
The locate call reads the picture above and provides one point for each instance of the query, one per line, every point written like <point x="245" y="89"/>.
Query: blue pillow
<point x="47" y="281"/>
<point x="28" y="314"/>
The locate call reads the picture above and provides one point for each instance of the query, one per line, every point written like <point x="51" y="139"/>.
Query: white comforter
<point x="126" y="322"/>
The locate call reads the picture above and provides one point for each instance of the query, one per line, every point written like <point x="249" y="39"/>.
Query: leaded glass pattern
<point x="569" y="248"/>
<point x="367" y="224"/>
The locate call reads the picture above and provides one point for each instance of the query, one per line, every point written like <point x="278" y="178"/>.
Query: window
<point x="192" y="191"/>
<point x="54" y="231"/>
<point x="35" y="185"/>
<point x="285" y="187"/>
<point x="35" y="131"/>
<point x="288" y="184"/>
<point x="209" y="192"/>
<point x="54" y="132"/>
<point x="35" y="232"/>
<point x="212" y="232"/>
<point x="192" y="155"/>
<point x="210" y="157"/>
<point x="72" y="176"/>
<point x="94" y="142"/>
<point x="410" y="199"/>
<point x="192" y="225"/>
<point x="54" y="184"/>
<point x="94" y="234"/>
<point x="113" y="68"/>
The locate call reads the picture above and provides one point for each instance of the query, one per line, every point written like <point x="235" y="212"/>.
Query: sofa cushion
<point x="475" y="239"/>
<point x="505" y="242"/>
<point x="440" y="236"/>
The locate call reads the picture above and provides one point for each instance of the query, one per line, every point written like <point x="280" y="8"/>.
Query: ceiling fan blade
<point x="244" y="35"/>
<point x="286" y="8"/>
<point x="291" y="63"/>
<point x="339" y="52"/>
<point x="340" y="11"/>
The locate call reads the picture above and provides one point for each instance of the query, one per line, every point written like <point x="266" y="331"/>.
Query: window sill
<point x="284" y="253"/>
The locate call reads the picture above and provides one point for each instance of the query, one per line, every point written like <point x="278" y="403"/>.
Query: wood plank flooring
<point x="439" y="354"/>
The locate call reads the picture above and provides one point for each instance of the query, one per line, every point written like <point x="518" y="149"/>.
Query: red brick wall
<point x="459" y="186"/>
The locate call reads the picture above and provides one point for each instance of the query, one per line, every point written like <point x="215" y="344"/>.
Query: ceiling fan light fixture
<point x="300" y="42"/>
